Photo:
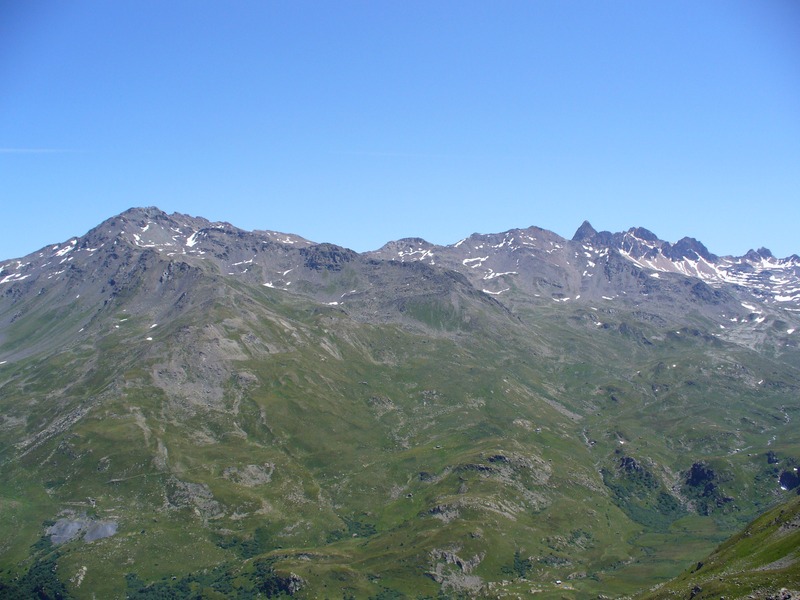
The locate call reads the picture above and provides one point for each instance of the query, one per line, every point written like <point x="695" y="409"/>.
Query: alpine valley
<point x="190" y="410"/>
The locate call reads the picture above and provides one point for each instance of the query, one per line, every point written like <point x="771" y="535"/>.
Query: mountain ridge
<point x="583" y="233"/>
<point x="755" y="272"/>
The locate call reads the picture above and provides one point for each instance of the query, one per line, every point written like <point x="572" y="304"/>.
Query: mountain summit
<point x="584" y="232"/>
<point x="190" y="409"/>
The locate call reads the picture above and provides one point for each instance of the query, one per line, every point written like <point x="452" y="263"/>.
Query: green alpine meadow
<point x="190" y="410"/>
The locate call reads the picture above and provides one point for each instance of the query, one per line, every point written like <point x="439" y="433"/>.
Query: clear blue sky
<point x="361" y="122"/>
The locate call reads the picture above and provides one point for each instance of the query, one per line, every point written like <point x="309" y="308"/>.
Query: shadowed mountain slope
<point x="759" y="562"/>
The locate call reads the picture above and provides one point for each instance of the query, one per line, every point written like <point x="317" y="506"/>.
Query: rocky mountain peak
<point x="406" y="243"/>
<point x="145" y="212"/>
<point x="687" y="247"/>
<point x="644" y="234"/>
<point x="584" y="232"/>
<point x="759" y="254"/>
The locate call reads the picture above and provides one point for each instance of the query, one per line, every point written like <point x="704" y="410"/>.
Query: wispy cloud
<point x="34" y="150"/>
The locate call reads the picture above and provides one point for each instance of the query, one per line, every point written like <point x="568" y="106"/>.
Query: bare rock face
<point x="584" y="233"/>
<point x="327" y="257"/>
<point x="250" y="475"/>
<point x="454" y="573"/>
<point x="195" y="496"/>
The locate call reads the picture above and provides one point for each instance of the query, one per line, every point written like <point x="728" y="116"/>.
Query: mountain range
<point x="188" y="409"/>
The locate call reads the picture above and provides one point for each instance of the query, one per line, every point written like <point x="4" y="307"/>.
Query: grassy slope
<point x="386" y="446"/>
<point x="758" y="562"/>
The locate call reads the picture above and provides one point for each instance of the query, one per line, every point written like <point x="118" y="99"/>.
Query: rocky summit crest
<point x="584" y="232"/>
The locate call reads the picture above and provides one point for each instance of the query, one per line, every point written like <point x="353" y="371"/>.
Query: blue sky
<point x="361" y="122"/>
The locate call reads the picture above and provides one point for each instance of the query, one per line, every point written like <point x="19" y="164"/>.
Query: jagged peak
<point x="688" y="247"/>
<point x="584" y="232"/>
<point x="643" y="234"/>
<point x="757" y="255"/>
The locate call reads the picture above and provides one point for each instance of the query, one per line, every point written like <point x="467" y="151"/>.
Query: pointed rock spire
<point x="585" y="232"/>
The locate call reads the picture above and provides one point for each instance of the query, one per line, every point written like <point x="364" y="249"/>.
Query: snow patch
<point x="69" y="248"/>
<point x="493" y="275"/>
<point x="479" y="261"/>
<point x="192" y="239"/>
<point x="244" y="262"/>
<point x="14" y="277"/>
